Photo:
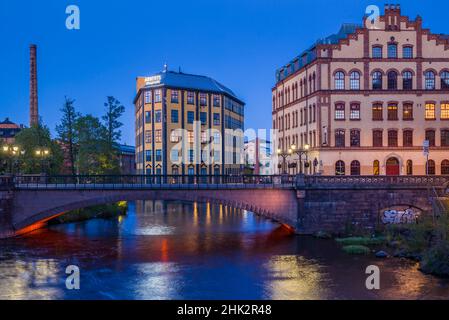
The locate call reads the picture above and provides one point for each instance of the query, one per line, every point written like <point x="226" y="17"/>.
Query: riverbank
<point x="106" y="211"/>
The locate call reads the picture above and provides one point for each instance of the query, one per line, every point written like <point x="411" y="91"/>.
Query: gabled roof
<point x="8" y="124"/>
<point x="309" y="55"/>
<point x="191" y="81"/>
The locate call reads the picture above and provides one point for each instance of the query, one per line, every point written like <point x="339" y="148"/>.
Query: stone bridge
<point x="305" y="203"/>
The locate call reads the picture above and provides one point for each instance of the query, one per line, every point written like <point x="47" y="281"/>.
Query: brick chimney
<point x="392" y="17"/>
<point x="34" y="111"/>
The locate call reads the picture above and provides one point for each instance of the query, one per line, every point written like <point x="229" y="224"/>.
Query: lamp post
<point x="11" y="152"/>
<point x="284" y="155"/>
<point x="42" y="154"/>
<point x="301" y="153"/>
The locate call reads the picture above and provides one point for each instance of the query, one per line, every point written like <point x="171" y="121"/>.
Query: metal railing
<point x="6" y="183"/>
<point x="153" y="182"/>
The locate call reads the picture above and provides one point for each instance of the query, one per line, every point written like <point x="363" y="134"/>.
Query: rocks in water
<point x="382" y="254"/>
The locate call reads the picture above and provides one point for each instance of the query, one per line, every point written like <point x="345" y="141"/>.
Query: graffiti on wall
<point x="401" y="216"/>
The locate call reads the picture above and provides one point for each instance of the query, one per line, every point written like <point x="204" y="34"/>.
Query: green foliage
<point x="356" y="250"/>
<point x="32" y="139"/>
<point x="114" y="110"/>
<point x="361" y="241"/>
<point x="436" y="260"/>
<point x="67" y="132"/>
<point x="105" y="211"/>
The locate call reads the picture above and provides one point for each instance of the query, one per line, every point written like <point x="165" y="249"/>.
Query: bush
<point x="96" y="212"/>
<point x="357" y="250"/>
<point x="361" y="241"/>
<point x="436" y="260"/>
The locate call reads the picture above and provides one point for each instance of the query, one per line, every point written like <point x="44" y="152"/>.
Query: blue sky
<point x="238" y="42"/>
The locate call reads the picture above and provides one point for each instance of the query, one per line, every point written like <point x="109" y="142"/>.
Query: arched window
<point x="377" y="80"/>
<point x="376" y="167"/>
<point x="409" y="167"/>
<point x="430" y="80"/>
<point x="340" y="168"/>
<point x="445" y="80"/>
<point x="355" y="168"/>
<point x="445" y="167"/>
<point x="407" y="80"/>
<point x="339" y="81"/>
<point x="431" y="168"/>
<point x="392" y="80"/>
<point x="355" y="80"/>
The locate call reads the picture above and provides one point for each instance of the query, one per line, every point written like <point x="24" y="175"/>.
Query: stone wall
<point x="6" y="202"/>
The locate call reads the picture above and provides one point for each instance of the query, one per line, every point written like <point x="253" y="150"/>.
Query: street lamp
<point x="301" y="153"/>
<point x="42" y="154"/>
<point x="284" y="156"/>
<point x="11" y="152"/>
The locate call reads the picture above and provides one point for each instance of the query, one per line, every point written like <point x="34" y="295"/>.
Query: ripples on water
<point x="173" y="250"/>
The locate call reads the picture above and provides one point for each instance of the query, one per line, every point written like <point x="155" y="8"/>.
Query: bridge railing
<point x="153" y="181"/>
<point x="6" y="183"/>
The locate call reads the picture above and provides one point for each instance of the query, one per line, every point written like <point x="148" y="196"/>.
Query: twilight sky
<point x="238" y="42"/>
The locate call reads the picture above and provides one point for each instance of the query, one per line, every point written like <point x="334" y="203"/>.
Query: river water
<point x="174" y="250"/>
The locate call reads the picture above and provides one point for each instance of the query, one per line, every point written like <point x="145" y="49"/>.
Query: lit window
<point x="430" y="111"/>
<point x="445" y="111"/>
<point x="158" y="136"/>
<point x="191" y="137"/>
<point x="377" y="112"/>
<point x="393" y="112"/>
<point x="174" y="136"/>
<point x="148" y="136"/>
<point x="407" y="111"/>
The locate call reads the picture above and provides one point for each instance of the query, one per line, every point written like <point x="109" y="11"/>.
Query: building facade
<point x="367" y="98"/>
<point x="187" y="125"/>
<point x="127" y="158"/>
<point x="258" y="157"/>
<point x="8" y="131"/>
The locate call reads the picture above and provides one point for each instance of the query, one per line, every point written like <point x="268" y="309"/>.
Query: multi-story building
<point x="258" y="157"/>
<point x="367" y="98"/>
<point x="188" y="125"/>
<point x="127" y="159"/>
<point x="8" y="131"/>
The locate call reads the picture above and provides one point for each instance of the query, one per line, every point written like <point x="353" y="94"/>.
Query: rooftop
<point x="8" y="124"/>
<point x="189" y="81"/>
<point x="309" y="55"/>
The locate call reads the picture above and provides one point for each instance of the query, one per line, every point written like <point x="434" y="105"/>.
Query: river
<point x="175" y="250"/>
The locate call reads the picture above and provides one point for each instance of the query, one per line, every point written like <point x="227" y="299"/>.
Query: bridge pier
<point x="6" y="202"/>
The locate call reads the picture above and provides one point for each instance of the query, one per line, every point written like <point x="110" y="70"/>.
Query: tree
<point x="67" y="133"/>
<point x="38" y="138"/>
<point x="114" y="110"/>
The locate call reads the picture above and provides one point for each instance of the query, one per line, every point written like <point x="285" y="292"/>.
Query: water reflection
<point x="177" y="250"/>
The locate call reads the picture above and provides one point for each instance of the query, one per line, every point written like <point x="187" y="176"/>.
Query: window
<point x="445" y="167"/>
<point x="376" y="167"/>
<point x="430" y="136"/>
<point x="158" y="116"/>
<point x="377" y="112"/>
<point x="203" y="99"/>
<point x="147" y="116"/>
<point x="190" y="137"/>
<point x="190" y="97"/>
<point x="340" y="111"/>
<point x="377" y="138"/>
<point x="430" y="111"/>
<point x="355" y="138"/>
<point x="190" y="117"/>
<point x="430" y="80"/>
<point x="191" y="156"/>
<point x="355" y="111"/>
<point x="355" y="80"/>
<point x="147" y="96"/>
<point x="392" y="51"/>
<point x="216" y="119"/>
<point x="217" y="137"/>
<point x="431" y="168"/>
<point x="158" y="136"/>
<point x="157" y="95"/>
<point x="340" y="168"/>
<point x="445" y="80"/>
<point x="174" y="136"/>
<point x="174" y="116"/>
<point x="340" y="138"/>
<point x="174" y="155"/>
<point x="392" y="138"/>
<point x="407" y="52"/>
<point x="148" y="136"/>
<point x="445" y="111"/>
<point x="409" y="167"/>
<point x="407" y="80"/>
<point x="407" y="112"/>
<point x="355" y="168"/>
<point x="445" y="138"/>
<point x="339" y="81"/>
<point x="216" y="100"/>
<point x="392" y="80"/>
<point x="377" y="52"/>
<point x="175" y="96"/>
<point x="203" y="118"/>
<point x="393" y="112"/>
<point x="148" y="155"/>
<point x="377" y="80"/>
<point x="158" y="155"/>
<point x="408" y="138"/>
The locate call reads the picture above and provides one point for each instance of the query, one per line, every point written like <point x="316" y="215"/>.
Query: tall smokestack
<point x="34" y="112"/>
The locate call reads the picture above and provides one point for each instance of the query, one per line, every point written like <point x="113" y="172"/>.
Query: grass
<point x="357" y="250"/>
<point x="361" y="241"/>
